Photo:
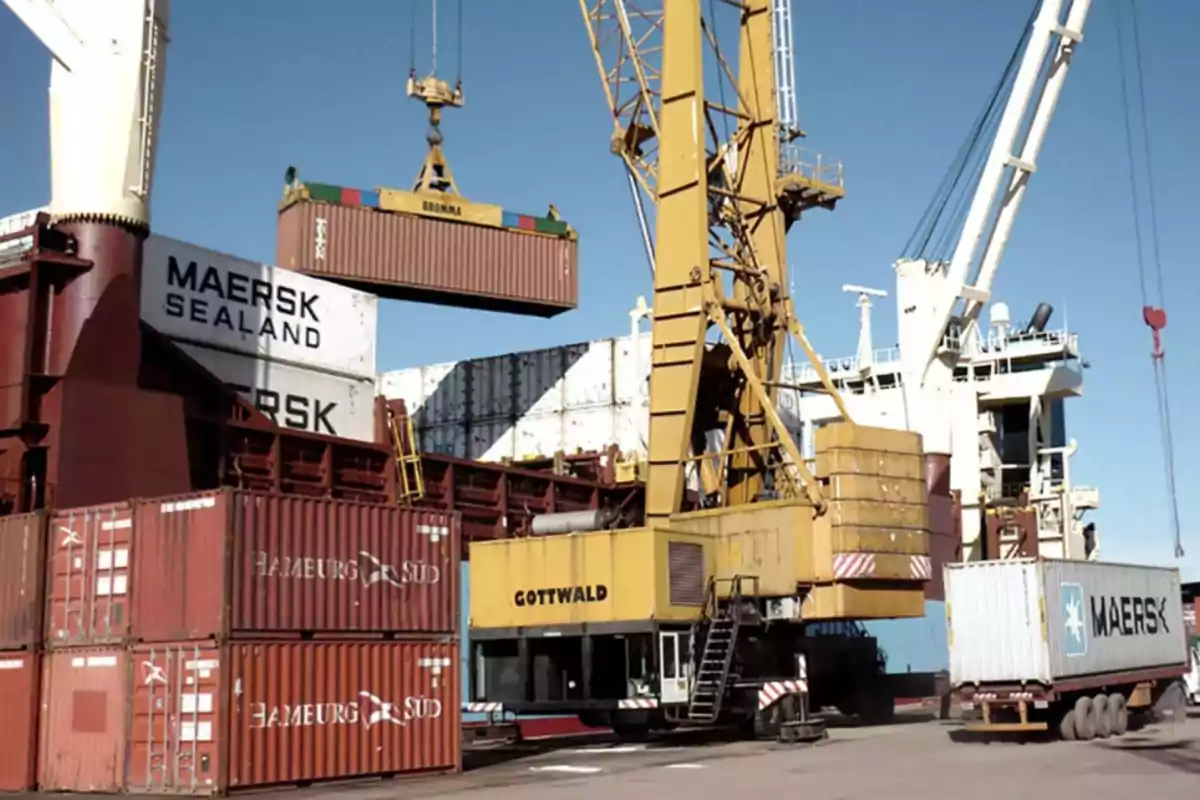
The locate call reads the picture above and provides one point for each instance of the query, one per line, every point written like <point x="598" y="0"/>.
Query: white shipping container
<point x="1050" y="620"/>
<point x="204" y="297"/>
<point x="293" y="397"/>
<point x="584" y="396"/>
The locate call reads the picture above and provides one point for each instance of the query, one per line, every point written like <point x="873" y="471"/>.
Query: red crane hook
<point x="1156" y="318"/>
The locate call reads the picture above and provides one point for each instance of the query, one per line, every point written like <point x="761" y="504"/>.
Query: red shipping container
<point x="230" y="563"/>
<point x="84" y="720"/>
<point x="88" y="580"/>
<point x="22" y="580"/>
<point x="209" y="719"/>
<point x="19" y="677"/>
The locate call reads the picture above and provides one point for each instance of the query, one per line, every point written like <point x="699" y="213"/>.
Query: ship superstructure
<point x="1008" y="421"/>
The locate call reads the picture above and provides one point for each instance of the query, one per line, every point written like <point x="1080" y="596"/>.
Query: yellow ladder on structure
<point x="408" y="458"/>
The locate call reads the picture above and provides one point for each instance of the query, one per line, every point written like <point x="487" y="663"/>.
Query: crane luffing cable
<point x="937" y="232"/>
<point x="1153" y="315"/>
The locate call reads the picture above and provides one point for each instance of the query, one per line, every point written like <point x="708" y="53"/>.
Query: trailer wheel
<point x="1066" y="725"/>
<point x="1118" y="714"/>
<point x="1085" y="719"/>
<point x="1100" y="715"/>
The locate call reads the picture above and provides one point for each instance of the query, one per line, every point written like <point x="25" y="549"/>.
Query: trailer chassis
<point x="1084" y="708"/>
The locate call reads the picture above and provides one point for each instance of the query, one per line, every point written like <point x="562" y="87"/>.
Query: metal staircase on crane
<point x="718" y="627"/>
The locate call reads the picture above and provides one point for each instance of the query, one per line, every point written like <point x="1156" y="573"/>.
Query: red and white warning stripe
<point x="484" y="708"/>
<point x="853" y="565"/>
<point x="920" y="567"/>
<point x="772" y="691"/>
<point x="638" y="702"/>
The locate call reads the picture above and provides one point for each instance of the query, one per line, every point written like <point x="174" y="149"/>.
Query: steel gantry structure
<point x="724" y="199"/>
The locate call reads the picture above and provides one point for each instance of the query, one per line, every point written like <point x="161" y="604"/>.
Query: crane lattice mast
<point x="723" y="203"/>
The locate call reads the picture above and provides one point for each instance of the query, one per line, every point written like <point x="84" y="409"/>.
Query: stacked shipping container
<point x="231" y="639"/>
<point x="300" y="348"/>
<point x="22" y="577"/>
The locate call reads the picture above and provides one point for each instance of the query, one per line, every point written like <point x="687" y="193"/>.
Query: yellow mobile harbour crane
<point x="741" y="606"/>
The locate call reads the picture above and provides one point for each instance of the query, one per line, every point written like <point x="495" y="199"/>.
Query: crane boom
<point x="106" y="87"/>
<point x="723" y="204"/>
<point x="990" y="216"/>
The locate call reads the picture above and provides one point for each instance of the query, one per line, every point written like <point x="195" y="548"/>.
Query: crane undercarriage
<point x="642" y="676"/>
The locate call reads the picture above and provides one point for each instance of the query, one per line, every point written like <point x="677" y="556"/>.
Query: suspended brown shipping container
<point x="230" y="563"/>
<point x="20" y="674"/>
<point x="201" y="718"/>
<point x="22" y="575"/>
<point x="405" y="257"/>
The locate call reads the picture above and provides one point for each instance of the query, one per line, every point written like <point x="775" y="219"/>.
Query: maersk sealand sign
<point x="201" y="296"/>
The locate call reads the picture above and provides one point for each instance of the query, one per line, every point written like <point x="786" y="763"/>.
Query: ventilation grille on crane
<point x="685" y="567"/>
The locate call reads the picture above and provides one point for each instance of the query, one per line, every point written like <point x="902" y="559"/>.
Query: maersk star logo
<point x="1074" y="628"/>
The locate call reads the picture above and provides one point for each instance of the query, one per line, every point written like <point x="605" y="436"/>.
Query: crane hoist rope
<point x="1155" y="316"/>
<point x="934" y="236"/>
<point x="436" y="93"/>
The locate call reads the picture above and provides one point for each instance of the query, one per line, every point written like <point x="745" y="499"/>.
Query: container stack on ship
<point x="225" y="640"/>
<point x="22" y="577"/>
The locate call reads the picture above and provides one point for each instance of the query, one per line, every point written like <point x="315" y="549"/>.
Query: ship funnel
<point x="1041" y="316"/>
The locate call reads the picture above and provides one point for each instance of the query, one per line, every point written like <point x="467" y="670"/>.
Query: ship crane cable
<point x="1155" y="316"/>
<point x="936" y="232"/>
<point x="436" y="94"/>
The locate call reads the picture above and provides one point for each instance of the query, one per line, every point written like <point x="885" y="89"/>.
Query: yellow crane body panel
<point x="867" y="557"/>
<point x="602" y="576"/>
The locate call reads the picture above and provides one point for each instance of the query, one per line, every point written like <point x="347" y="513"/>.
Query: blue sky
<point x="889" y="87"/>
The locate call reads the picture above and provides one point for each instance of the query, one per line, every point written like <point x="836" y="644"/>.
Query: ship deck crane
<point x="106" y="90"/>
<point x="948" y="272"/>
<point x="709" y="615"/>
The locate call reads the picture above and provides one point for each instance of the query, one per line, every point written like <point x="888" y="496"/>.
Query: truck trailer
<point x="1066" y="646"/>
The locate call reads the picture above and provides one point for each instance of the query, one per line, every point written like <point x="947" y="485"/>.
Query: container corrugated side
<point x="22" y="579"/>
<point x="296" y="397"/>
<point x="258" y="714"/>
<point x="84" y="718"/>
<point x="405" y="257"/>
<point x="20" y="676"/>
<point x="1050" y="620"/>
<point x="88" y="579"/>
<point x="239" y="563"/>
<point x="584" y="396"/>
<point x="1112" y="617"/>
<point x="994" y="619"/>
<point x="202" y="296"/>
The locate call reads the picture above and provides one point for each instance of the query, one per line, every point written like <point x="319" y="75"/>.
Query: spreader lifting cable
<point x="1154" y="316"/>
